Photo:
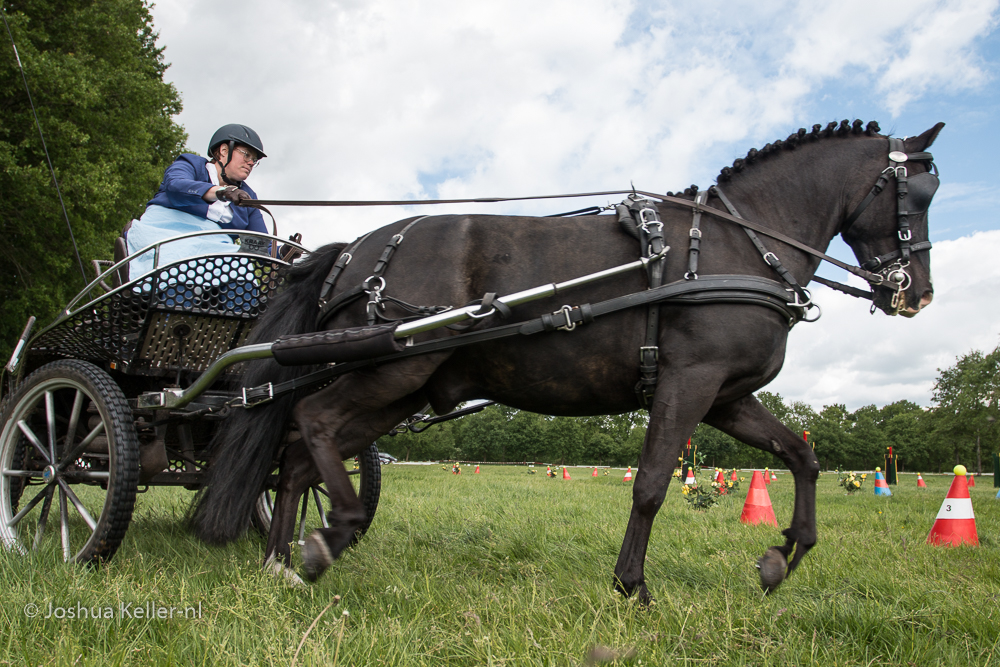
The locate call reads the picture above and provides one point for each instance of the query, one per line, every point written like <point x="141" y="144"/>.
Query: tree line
<point x="95" y="73"/>
<point x="961" y="427"/>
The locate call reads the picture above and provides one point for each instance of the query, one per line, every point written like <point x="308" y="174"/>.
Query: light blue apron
<point x="159" y="223"/>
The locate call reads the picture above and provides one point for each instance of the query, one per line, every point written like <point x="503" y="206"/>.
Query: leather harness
<point x="639" y="217"/>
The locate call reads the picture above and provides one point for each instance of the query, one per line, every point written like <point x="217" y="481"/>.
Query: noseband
<point x="913" y="196"/>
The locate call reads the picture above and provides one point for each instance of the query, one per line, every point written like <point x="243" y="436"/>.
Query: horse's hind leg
<point x="338" y="422"/>
<point x="297" y="474"/>
<point x="750" y="422"/>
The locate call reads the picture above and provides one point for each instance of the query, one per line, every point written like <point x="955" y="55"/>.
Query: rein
<point x="696" y="206"/>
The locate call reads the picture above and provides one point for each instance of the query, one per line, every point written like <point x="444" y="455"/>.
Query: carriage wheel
<point x="368" y="485"/>
<point x="69" y="463"/>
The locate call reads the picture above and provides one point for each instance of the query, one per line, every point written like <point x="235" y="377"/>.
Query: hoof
<point x="278" y="569"/>
<point x="772" y="567"/>
<point x="640" y="593"/>
<point x="316" y="556"/>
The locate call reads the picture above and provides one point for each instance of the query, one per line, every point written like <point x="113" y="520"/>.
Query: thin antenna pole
<point x="38" y="124"/>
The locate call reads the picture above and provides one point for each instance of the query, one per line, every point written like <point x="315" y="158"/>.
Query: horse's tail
<point x="243" y="449"/>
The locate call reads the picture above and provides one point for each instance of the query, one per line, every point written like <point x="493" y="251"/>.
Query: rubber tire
<point x="123" y="450"/>
<point x="369" y="491"/>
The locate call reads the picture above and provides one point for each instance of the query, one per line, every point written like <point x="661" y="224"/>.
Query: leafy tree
<point x="967" y="404"/>
<point x="831" y="437"/>
<point x="96" y="77"/>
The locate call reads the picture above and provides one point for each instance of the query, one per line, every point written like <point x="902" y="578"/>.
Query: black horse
<point x="711" y="356"/>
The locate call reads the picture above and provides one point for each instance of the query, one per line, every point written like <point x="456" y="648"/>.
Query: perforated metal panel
<point x="182" y="316"/>
<point x="192" y="342"/>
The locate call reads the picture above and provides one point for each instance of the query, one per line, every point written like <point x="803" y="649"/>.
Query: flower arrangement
<point x="851" y="481"/>
<point x="732" y="485"/>
<point x="699" y="498"/>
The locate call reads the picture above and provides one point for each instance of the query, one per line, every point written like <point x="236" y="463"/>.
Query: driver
<point x="197" y="194"/>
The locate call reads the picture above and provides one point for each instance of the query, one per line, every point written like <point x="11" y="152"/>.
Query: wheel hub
<point x="49" y="474"/>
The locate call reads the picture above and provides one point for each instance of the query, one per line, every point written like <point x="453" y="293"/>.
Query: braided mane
<point x="844" y="128"/>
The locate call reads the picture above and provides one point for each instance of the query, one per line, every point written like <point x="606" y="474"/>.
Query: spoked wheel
<point x="69" y="463"/>
<point x="367" y="479"/>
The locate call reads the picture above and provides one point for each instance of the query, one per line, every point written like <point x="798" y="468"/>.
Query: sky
<point x="377" y="99"/>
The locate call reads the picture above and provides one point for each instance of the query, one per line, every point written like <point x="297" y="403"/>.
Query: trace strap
<point x="709" y="289"/>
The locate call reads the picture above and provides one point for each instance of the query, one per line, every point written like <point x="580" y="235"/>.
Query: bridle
<point x="913" y="196"/>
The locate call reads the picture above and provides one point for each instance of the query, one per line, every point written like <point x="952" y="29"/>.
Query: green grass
<point x="510" y="568"/>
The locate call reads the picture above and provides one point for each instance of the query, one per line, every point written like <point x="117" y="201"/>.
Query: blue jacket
<point x="184" y="183"/>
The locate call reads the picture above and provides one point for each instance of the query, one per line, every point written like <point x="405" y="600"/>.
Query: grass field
<point x="506" y="568"/>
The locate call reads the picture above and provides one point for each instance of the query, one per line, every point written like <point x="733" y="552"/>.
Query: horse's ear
<point x="923" y="142"/>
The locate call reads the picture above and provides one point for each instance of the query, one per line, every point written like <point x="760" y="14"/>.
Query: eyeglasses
<point x="252" y="159"/>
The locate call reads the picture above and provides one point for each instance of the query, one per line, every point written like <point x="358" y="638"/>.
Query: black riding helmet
<point x="235" y="134"/>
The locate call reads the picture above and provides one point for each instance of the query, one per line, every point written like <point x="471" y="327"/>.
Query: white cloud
<point x="372" y="99"/>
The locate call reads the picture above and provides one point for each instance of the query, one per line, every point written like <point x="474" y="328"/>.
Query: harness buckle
<point x="570" y="324"/>
<point x="649" y="348"/>
<point x="772" y="255"/>
<point x="695" y="233"/>
<point x="904" y="235"/>
<point x="249" y="403"/>
<point x="397" y="239"/>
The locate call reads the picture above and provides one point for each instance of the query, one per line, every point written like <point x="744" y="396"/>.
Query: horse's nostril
<point x="926" y="299"/>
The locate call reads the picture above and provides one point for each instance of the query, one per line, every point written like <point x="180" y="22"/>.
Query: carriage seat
<point x="121" y="253"/>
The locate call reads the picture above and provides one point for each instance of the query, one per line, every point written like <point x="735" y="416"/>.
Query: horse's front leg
<point x="750" y="422"/>
<point x="672" y="419"/>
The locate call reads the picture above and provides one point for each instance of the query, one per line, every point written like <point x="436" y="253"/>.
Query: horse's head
<point x="890" y="237"/>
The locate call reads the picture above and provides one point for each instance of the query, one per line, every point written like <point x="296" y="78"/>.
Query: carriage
<point x="553" y="315"/>
<point x="71" y="417"/>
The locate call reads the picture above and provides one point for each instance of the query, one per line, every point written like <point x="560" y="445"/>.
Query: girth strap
<point x="648" y="227"/>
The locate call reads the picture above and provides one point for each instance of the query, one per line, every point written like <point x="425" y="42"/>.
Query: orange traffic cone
<point x="921" y="484"/>
<point x="477" y="468"/>
<point x="566" y="474"/>
<point x="758" y="508"/>
<point x="972" y="480"/>
<point x="690" y="480"/>
<point x="719" y="478"/>
<point x="955" y="523"/>
<point x="733" y="477"/>
<point x="767" y="477"/>
<point x="595" y="473"/>
<point x="548" y="471"/>
<point x="774" y="478"/>
<point x="628" y="475"/>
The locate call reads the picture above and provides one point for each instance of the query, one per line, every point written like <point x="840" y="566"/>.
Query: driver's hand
<point x="233" y="194"/>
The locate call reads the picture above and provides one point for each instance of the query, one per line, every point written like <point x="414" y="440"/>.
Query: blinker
<point x="921" y="189"/>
